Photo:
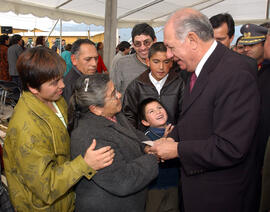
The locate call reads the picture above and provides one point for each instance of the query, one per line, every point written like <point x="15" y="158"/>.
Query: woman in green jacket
<point x="37" y="162"/>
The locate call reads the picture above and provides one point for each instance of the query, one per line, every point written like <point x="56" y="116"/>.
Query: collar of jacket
<point x="41" y="110"/>
<point x="144" y="78"/>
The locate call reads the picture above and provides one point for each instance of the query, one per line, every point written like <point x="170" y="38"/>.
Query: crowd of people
<point x="180" y="125"/>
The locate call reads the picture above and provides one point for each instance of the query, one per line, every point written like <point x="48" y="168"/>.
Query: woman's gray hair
<point x="89" y="90"/>
<point x="199" y="24"/>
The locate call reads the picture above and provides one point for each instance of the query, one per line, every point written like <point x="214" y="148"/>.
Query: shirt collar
<point x="205" y="57"/>
<point x="160" y="82"/>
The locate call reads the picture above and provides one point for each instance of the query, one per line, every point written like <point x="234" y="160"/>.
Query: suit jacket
<point x="265" y="203"/>
<point x="70" y="80"/>
<point x="121" y="186"/>
<point x="215" y="133"/>
<point x="263" y="130"/>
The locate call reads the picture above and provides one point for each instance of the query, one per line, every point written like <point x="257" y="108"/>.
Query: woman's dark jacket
<point x="121" y="186"/>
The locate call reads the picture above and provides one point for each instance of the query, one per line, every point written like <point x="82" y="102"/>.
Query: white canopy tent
<point x="127" y="13"/>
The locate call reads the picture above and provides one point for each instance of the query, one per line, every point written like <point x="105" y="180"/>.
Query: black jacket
<point x="142" y="88"/>
<point x="70" y="80"/>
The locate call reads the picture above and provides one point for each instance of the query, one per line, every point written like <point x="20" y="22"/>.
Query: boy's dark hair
<point x="157" y="47"/>
<point x="39" y="40"/>
<point x="39" y="65"/>
<point x="123" y="46"/>
<point x="15" y="39"/>
<point x="143" y="29"/>
<point x="219" y="19"/>
<point x="3" y="39"/>
<point x="68" y="47"/>
<point x="77" y="44"/>
<point x="143" y="104"/>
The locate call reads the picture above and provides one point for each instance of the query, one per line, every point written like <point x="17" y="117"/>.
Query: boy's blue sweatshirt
<point x="168" y="170"/>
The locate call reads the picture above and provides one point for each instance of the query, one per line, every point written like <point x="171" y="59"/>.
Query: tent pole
<point x="60" y="46"/>
<point x="110" y="31"/>
<point x="267" y="10"/>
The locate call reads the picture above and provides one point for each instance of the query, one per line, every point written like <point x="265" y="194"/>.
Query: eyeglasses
<point x="145" y="43"/>
<point x="113" y="95"/>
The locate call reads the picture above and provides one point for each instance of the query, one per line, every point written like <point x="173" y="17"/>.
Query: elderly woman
<point x="96" y="107"/>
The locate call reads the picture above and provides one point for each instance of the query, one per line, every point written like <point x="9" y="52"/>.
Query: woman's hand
<point x="98" y="159"/>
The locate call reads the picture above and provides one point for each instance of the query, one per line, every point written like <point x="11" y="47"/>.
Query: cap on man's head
<point x="252" y="34"/>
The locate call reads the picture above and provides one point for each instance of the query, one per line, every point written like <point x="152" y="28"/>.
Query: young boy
<point x="163" y="191"/>
<point x="159" y="82"/>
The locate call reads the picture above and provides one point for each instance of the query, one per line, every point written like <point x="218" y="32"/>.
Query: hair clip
<point x="86" y="81"/>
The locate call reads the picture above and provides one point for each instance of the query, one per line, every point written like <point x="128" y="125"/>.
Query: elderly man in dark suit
<point x="218" y="121"/>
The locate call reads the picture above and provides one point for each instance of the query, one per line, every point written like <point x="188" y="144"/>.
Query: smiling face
<point x="141" y="44"/>
<point x="49" y="91"/>
<point x="155" y="115"/>
<point x="86" y="59"/>
<point x="180" y="51"/>
<point x="159" y="65"/>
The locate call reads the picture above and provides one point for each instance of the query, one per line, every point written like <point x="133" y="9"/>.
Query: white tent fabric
<point x="130" y="12"/>
<point x="127" y="13"/>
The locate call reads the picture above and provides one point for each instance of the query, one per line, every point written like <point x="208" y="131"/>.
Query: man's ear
<point x="193" y="40"/>
<point x="73" y="59"/>
<point x="96" y="110"/>
<point x="155" y="40"/>
<point x="147" y="61"/>
<point x="145" y="123"/>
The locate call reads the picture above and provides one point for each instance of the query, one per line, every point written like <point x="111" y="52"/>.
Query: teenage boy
<point x="160" y="82"/>
<point x="163" y="191"/>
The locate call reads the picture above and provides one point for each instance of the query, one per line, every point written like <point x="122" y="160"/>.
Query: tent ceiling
<point x="131" y="12"/>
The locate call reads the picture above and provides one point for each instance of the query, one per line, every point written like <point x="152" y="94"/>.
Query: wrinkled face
<point x="50" y="91"/>
<point x="155" y="115"/>
<point x="221" y="35"/>
<point x="141" y="44"/>
<point x="159" y="65"/>
<point x="86" y="59"/>
<point x="180" y="51"/>
<point x="267" y="47"/>
<point x="240" y="48"/>
<point x="113" y="102"/>
<point x="255" y="51"/>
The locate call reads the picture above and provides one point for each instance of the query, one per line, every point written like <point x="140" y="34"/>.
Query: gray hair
<point x="89" y="90"/>
<point x="199" y="24"/>
<point x="77" y="45"/>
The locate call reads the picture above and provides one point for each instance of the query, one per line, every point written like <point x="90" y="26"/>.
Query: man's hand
<point x="168" y="130"/>
<point x="165" y="148"/>
<point x="98" y="159"/>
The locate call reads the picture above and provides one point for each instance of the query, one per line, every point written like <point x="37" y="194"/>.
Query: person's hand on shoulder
<point x="99" y="159"/>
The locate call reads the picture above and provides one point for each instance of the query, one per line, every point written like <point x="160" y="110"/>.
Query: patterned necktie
<point x="192" y="81"/>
